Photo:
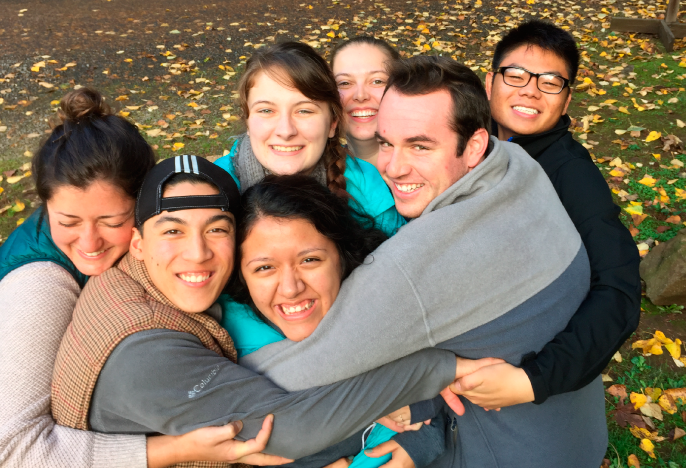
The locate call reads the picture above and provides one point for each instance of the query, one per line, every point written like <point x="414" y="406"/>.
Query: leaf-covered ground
<point x="172" y="67"/>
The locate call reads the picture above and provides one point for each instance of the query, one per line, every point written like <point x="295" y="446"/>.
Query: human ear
<point x="489" y="84"/>
<point x="332" y="129"/>
<point x="569" y="99"/>
<point x="476" y="147"/>
<point x="136" y="245"/>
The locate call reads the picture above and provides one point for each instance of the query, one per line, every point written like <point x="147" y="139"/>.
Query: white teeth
<point x="287" y="148"/>
<point x="93" y="254"/>
<point x="526" y="110"/>
<point x="364" y="113"/>
<point x="294" y="309"/>
<point x="193" y="278"/>
<point x="407" y="188"/>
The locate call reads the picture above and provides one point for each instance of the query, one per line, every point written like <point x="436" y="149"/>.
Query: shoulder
<point x="36" y="280"/>
<point x="367" y="187"/>
<point x="226" y="162"/>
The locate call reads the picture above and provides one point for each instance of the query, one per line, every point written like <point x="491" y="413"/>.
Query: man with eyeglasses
<point x="529" y="91"/>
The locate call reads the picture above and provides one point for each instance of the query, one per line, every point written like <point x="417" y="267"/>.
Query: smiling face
<point x="188" y="253"/>
<point x="92" y="226"/>
<point x="360" y="72"/>
<point x="527" y="110"/>
<point x="418" y="149"/>
<point x="293" y="273"/>
<point x="288" y="131"/>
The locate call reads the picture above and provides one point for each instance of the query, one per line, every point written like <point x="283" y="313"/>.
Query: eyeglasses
<point x="548" y="83"/>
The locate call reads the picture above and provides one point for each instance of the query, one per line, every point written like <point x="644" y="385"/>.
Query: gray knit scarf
<point x="250" y="171"/>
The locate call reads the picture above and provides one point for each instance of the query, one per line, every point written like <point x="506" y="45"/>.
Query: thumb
<point x="453" y="401"/>
<point x="233" y="428"/>
<point x="381" y="449"/>
<point x="469" y="382"/>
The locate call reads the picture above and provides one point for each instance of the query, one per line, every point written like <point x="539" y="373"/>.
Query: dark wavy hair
<point x="297" y="65"/>
<point x="302" y="197"/>
<point x="91" y="144"/>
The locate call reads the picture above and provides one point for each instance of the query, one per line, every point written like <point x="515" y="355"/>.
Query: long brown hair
<point x="307" y="72"/>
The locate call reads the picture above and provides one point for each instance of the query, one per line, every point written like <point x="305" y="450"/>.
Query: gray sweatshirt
<point x="168" y="382"/>
<point x="492" y="267"/>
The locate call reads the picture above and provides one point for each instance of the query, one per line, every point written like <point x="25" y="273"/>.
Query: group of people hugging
<point x="396" y="265"/>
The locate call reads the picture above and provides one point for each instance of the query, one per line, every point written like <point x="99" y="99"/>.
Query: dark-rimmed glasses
<point x="548" y="83"/>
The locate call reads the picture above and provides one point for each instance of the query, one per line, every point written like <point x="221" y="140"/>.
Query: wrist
<point x="163" y="451"/>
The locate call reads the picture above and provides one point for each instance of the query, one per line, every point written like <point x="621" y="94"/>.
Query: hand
<point x="495" y="386"/>
<point x="213" y="444"/>
<point x="399" y="457"/>
<point x="465" y="367"/>
<point x="340" y="463"/>
<point x="399" y="421"/>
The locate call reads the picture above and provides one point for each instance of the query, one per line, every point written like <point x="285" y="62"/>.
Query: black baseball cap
<point x="151" y="203"/>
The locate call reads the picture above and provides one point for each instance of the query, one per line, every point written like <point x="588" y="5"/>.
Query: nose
<point x="90" y="239"/>
<point x="531" y="88"/>
<point x="285" y="127"/>
<point x="393" y="163"/>
<point x="290" y="284"/>
<point x="197" y="249"/>
<point x="361" y="93"/>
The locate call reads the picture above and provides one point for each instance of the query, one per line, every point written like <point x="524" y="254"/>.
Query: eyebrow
<point x="99" y="217"/>
<point x="380" y="138"/>
<point x="221" y="217"/>
<point x="300" y="254"/>
<point x="420" y="138"/>
<point x="170" y="219"/>
<point x="554" y="72"/>
<point x="349" y="74"/>
<point x="263" y="101"/>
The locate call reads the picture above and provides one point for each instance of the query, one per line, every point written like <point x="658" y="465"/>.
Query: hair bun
<point x="83" y="103"/>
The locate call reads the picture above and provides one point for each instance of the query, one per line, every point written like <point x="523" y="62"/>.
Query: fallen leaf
<point x="638" y="219"/>
<point x="634" y="210"/>
<point x="648" y="447"/>
<point x="154" y="132"/>
<point x="618" y="356"/>
<point x="652" y="136"/>
<point x="676" y="162"/>
<point x="15" y="179"/>
<point x="667" y="403"/>
<point x="677" y="393"/>
<point x="638" y="399"/>
<point x="618" y="391"/>
<point x="652" y="410"/>
<point x="632" y="461"/>
<point x="18" y="206"/>
<point x="20" y="221"/>
<point x="680" y="123"/>
<point x="624" y="110"/>
<point x="676" y="433"/>
<point x="133" y="107"/>
<point x="177" y="146"/>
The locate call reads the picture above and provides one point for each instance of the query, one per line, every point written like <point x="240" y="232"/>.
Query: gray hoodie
<point x="492" y="267"/>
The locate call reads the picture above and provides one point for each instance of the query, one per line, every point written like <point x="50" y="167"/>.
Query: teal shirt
<point x="369" y="192"/>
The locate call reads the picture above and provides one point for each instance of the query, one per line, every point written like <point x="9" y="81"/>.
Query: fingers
<point x="382" y="449"/>
<point x="468" y="366"/>
<point x="453" y="401"/>
<point x="262" y="437"/>
<point x="391" y="424"/>
<point x="471" y="381"/>
<point x="262" y="459"/>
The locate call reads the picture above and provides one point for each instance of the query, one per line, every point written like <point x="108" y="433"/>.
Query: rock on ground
<point x="664" y="271"/>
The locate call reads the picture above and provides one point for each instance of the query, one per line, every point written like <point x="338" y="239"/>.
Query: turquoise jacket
<point x="370" y="194"/>
<point x="32" y="242"/>
<point x="250" y="333"/>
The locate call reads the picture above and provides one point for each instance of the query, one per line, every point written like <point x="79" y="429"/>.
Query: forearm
<point x="579" y="353"/>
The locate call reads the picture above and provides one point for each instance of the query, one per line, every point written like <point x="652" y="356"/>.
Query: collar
<point x="139" y="273"/>
<point x="536" y="144"/>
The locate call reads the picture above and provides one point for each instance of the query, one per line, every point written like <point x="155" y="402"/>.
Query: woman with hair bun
<point x="293" y="114"/>
<point x="87" y="174"/>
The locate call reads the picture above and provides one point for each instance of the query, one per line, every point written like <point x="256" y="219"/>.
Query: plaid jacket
<point x="112" y="306"/>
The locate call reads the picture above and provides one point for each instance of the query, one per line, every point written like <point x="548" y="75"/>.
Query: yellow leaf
<point x="18" y="206"/>
<point x="623" y="110"/>
<point x="680" y="193"/>
<point x="177" y="146"/>
<point x="2" y="189"/>
<point x="652" y="136"/>
<point x="610" y="101"/>
<point x="128" y="60"/>
<point x="122" y="98"/>
<point x="648" y="447"/>
<point x="124" y="114"/>
<point x="616" y="173"/>
<point x="634" y="210"/>
<point x="638" y="399"/>
<point x="427" y="47"/>
<point x="647" y="180"/>
<point x="331" y="34"/>
<point x="657" y="156"/>
<point x="133" y="107"/>
<point x="20" y="221"/>
<point x="667" y="404"/>
<point x="656" y="349"/>
<point x="632" y="461"/>
<point x="14" y="179"/>
<point x="653" y="393"/>
<point x="640" y="432"/>
<point x="674" y="349"/>
<point x="192" y="104"/>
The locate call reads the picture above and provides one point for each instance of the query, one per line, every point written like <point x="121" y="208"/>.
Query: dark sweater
<point x="610" y="312"/>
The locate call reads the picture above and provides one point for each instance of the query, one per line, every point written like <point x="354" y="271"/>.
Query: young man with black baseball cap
<point x="145" y="354"/>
